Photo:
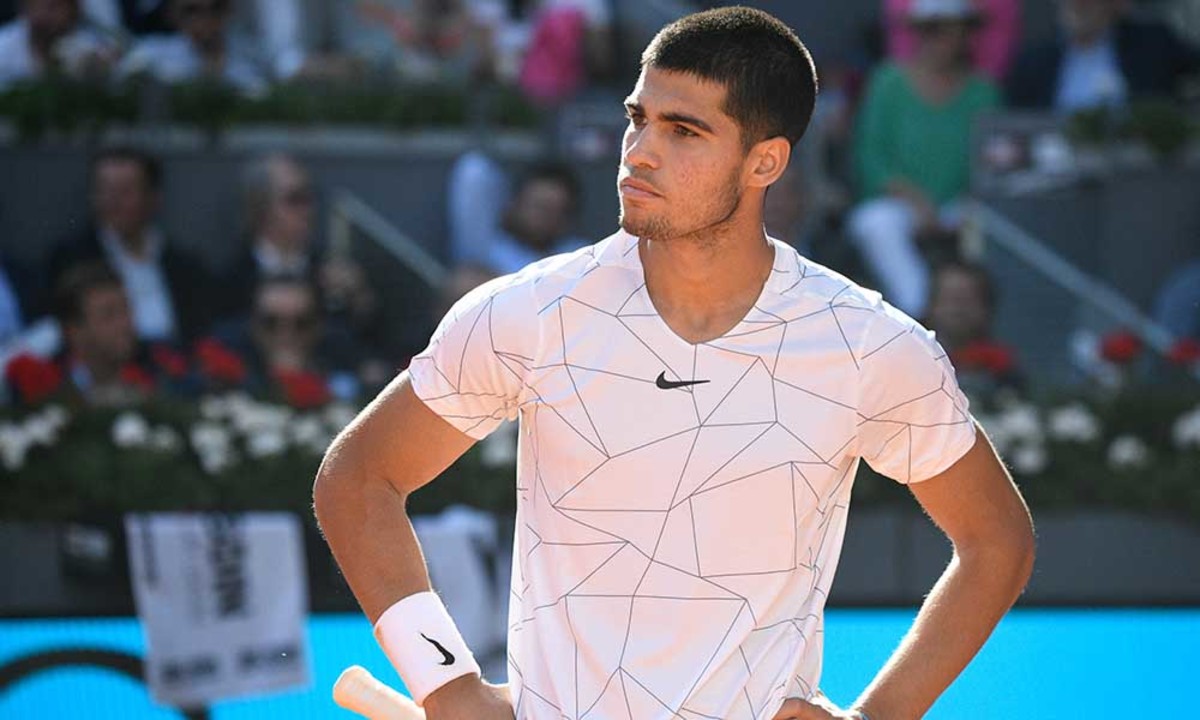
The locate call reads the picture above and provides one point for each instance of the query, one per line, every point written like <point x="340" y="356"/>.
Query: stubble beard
<point x="659" y="228"/>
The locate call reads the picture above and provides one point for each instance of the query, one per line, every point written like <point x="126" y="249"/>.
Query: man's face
<point x="49" y="19"/>
<point x="959" y="310"/>
<point x="290" y="215"/>
<point x="122" y="198"/>
<point x="286" y="325"/>
<point x="541" y="212"/>
<point x="104" y="334"/>
<point x="1088" y="19"/>
<point x="683" y="155"/>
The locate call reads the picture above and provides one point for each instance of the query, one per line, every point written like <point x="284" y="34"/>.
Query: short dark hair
<point x="769" y="77"/>
<point x="553" y="171"/>
<point x="150" y="166"/>
<point x="74" y="285"/>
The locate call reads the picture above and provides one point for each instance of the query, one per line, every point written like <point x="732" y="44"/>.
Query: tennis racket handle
<point x="358" y="691"/>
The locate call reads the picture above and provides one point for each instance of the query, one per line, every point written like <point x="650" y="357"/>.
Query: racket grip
<point x="357" y="690"/>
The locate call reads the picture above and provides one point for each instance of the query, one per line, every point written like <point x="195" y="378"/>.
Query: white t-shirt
<point x="681" y="507"/>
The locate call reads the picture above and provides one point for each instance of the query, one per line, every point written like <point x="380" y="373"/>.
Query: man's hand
<point x="469" y="698"/>
<point x="819" y="708"/>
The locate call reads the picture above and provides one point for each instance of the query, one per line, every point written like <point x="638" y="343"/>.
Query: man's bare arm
<point x="980" y="509"/>
<point x="395" y="446"/>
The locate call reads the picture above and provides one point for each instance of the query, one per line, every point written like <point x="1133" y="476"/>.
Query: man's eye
<point x="684" y="132"/>
<point x="636" y="119"/>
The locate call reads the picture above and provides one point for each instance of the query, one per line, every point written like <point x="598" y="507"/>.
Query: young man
<point x="694" y="400"/>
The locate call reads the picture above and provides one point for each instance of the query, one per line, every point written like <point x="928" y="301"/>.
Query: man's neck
<point x="135" y="244"/>
<point x="703" y="287"/>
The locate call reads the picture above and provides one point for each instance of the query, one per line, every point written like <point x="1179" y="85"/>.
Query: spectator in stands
<point x="993" y="46"/>
<point x="536" y="222"/>
<point x="280" y="216"/>
<point x="49" y="36"/>
<point x="166" y="287"/>
<point x="1177" y="306"/>
<point x="11" y="315"/>
<point x="421" y="40"/>
<point x="1101" y="58"/>
<point x="570" y="45"/>
<point x="202" y="48"/>
<point x="101" y="362"/>
<point x="287" y="347"/>
<point x="911" y="149"/>
<point x="962" y="307"/>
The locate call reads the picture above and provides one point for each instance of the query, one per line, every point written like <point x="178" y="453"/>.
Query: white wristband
<point x="423" y="644"/>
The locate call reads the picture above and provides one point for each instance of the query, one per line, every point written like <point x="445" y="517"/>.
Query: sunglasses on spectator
<point x="275" y="322"/>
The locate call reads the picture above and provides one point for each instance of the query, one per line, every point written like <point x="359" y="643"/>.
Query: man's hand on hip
<point x="469" y="698"/>
<point x="819" y="708"/>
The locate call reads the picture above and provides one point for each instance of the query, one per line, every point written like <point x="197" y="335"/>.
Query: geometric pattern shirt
<point x="681" y="506"/>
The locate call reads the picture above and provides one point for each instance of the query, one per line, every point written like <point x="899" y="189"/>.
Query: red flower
<point x="136" y="376"/>
<point x="985" y="355"/>
<point x="1120" y="347"/>
<point x="1185" y="351"/>
<point x="172" y="362"/>
<point x="303" y="390"/>
<point x="219" y="363"/>
<point x="35" y="379"/>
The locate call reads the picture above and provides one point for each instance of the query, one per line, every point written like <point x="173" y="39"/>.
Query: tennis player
<point x="694" y="399"/>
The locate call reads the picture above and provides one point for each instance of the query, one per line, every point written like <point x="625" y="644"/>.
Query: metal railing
<point x="991" y="225"/>
<point x="348" y="213"/>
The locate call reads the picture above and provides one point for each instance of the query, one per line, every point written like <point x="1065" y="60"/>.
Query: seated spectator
<point x="1102" y="58"/>
<point x="420" y="40"/>
<point x="570" y="45"/>
<point x="962" y="307"/>
<point x="101" y="362"/>
<point x="1177" y="307"/>
<point x="280" y="218"/>
<point x="165" y="286"/>
<point x="536" y="223"/>
<point x="204" y="47"/>
<point x="992" y="48"/>
<point x="288" y="348"/>
<point x="911" y="149"/>
<point x="49" y="36"/>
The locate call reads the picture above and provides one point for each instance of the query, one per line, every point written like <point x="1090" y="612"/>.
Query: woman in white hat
<point x="912" y="146"/>
<point x="993" y="47"/>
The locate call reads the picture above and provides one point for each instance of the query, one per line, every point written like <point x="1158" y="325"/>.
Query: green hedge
<point x="70" y="106"/>
<point x="233" y="453"/>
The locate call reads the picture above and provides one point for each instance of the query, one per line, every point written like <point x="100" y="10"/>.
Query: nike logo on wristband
<point x="447" y="658"/>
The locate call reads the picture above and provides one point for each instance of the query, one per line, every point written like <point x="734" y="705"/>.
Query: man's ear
<point x="767" y="160"/>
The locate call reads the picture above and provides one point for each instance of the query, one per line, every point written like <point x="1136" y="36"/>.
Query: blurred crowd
<point x="876" y="192"/>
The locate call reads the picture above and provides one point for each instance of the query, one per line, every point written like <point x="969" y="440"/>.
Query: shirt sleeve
<point x="473" y="373"/>
<point x="914" y="421"/>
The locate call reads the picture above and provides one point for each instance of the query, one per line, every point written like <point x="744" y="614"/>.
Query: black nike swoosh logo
<point x="664" y="384"/>
<point x="447" y="658"/>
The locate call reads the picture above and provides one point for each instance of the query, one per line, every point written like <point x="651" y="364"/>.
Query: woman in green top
<point x="912" y="148"/>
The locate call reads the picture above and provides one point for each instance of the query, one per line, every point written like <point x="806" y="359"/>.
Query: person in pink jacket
<point x="993" y="48"/>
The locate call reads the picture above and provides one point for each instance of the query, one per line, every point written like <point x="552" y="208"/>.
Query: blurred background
<point x="226" y="224"/>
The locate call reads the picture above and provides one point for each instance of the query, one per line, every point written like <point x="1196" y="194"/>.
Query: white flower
<point x="1186" y="431"/>
<point x="1029" y="459"/>
<point x="213" y="407"/>
<point x="215" y="460"/>
<point x="266" y="443"/>
<point x="130" y="430"/>
<point x="14" y="445"/>
<point x="1127" y="452"/>
<point x="252" y="418"/>
<point x="309" y="432"/>
<point x="56" y="416"/>
<point x="338" y="415"/>
<point x="209" y="437"/>
<point x="1074" y="423"/>
<point x="40" y="430"/>
<point x="165" y="439"/>
<point x="1021" y="422"/>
